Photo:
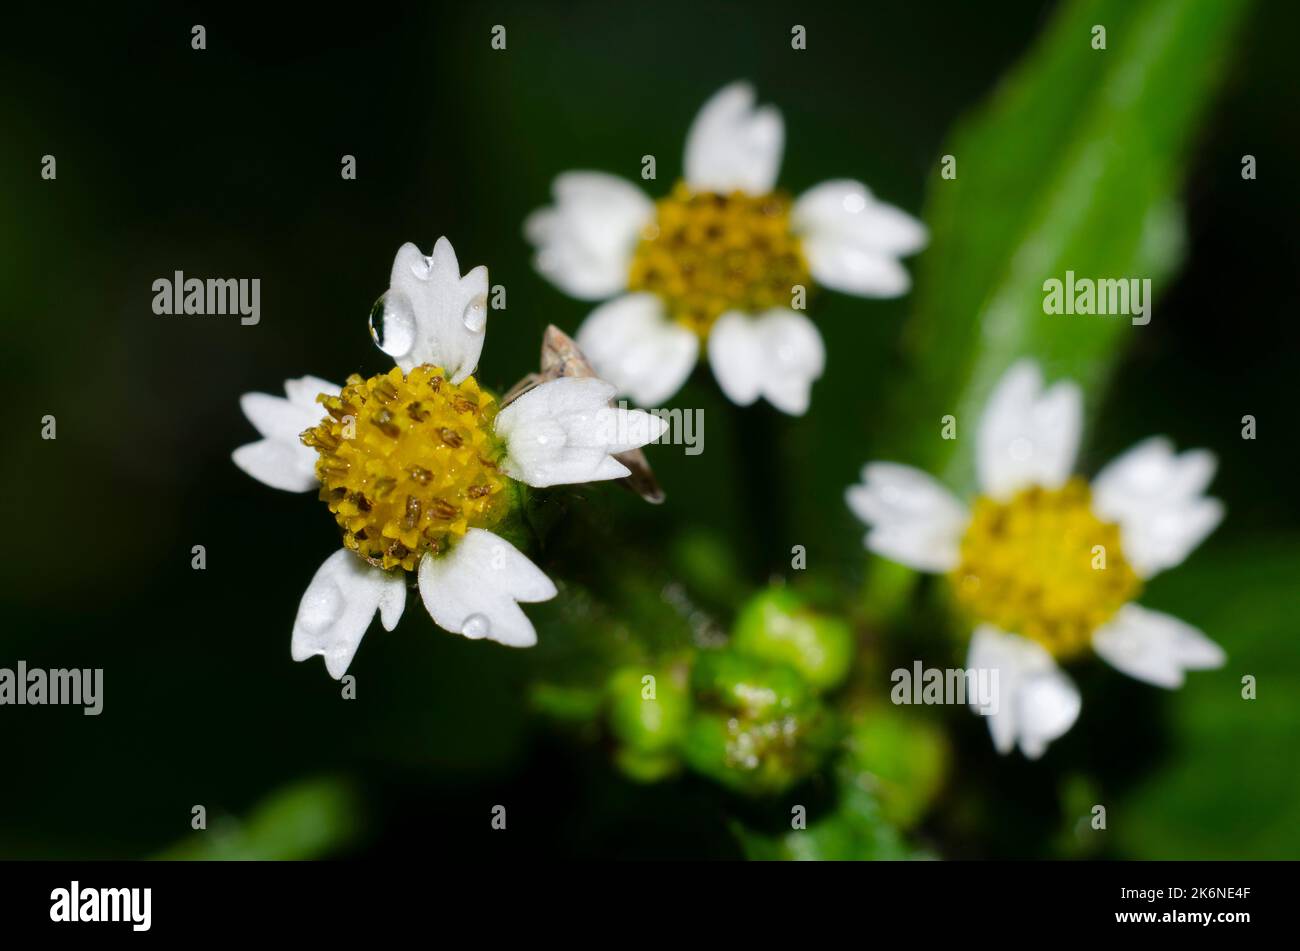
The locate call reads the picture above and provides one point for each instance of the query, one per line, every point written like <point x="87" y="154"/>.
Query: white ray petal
<point x="338" y="606"/>
<point x="564" y="431"/>
<point x="1035" y="701"/>
<point x="776" y="355"/>
<point x="1028" y="435"/>
<point x="1154" y="647"/>
<point x="280" y="460"/>
<point x="433" y="314"/>
<point x="733" y="144"/>
<point x="913" y="518"/>
<point x="632" y="344"/>
<point x="584" y="242"/>
<point x="852" y="241"/>
<point x="1157" y="497"/>
<point x="473" y="589"/>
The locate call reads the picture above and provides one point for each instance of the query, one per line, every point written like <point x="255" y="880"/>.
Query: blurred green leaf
<point x="855" y="831"/>
<point x="1224" y="792"/>
<point x="902" y="758"/>
<point x="1074" y="164"/>
<point x="565" y="702"/>
<point x="308" y="820"/>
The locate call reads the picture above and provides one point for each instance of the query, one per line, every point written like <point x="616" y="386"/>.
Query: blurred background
<point x="226" y="163"/>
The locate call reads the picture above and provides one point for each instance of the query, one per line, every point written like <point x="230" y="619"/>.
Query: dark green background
<point x="226" y="163"/>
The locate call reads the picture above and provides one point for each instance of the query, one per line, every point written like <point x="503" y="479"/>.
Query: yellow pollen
<point x="1042" y="565"/>
<point x="408" y="463"/>
<point x="707" y="253"/>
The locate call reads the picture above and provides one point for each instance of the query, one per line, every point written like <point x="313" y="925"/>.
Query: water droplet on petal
<point x="498" y="559"/>
<point x="392" y="324"/>
<point x="476" y="627"/>
<point x="475" y="316"/>
<point x="323" y="608"/>
<point x="854" y="202"/>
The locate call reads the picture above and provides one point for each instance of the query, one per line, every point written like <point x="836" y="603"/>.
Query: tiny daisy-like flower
<point x="419" y="466"/>
<point x="717" y="261"/>
<point x="1045" y="565"/>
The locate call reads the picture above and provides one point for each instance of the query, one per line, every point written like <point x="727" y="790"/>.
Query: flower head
<point x="718" y="261"/>
<point x="1045" y="565"/>
<point x="419" y="465"/>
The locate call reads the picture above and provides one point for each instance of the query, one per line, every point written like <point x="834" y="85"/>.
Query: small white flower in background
<point x="1046" y="565"/>
<point x="418" y="466"/>
<point x="717" y="261"/>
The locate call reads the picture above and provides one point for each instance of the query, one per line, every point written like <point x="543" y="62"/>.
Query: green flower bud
<point x="648" y="709"/>
<point x="748" y="686"/>
<point x="758" y="727"/>
<point x="776" y="625"/>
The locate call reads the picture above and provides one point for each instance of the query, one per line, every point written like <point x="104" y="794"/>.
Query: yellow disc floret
<point x="707" y="253"/>
<point x="408" y="463"/>
<point x="1042" y="565"/>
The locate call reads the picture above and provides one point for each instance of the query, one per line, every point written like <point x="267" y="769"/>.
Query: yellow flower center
<point x="1042" y="565"/>
<point x="707" y="253"/>
<point x="408" y="463"/>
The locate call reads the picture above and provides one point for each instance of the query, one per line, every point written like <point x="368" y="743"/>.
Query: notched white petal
<point x="777" y="355"/>
<point x="631" y="343"/>
<point x="913" y="518"/>
<point x="1157" y="497"/>
<point x="278" y="418"/>
<point x="1028" y="435"/>
<point x="280" y="460"/>
<point x="1034" y="701"/>
<point x="564" y="431"/>
<point x="474" y="588"/>
<point x="278" y="464"/>
<point x="733" y="144"/>
<point x="852" y="241"/>
<point x="338" y="606"/>
<point x="584" y="242"/>
<point x="449" y="310"/>
<point x="1154" y="647"/>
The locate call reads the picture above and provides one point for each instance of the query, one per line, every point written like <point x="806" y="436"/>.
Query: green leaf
<point x="307" y="820"/>
<point x="1227" y="789"/>
<point x="1074" y="164"/>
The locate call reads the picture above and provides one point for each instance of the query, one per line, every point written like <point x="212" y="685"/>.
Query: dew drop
<point x="476" y="627"/>
<point x="475" y="316"/>
<point x="392" y="324"/>
<point x="854" y="202"/>
<point x="323" y="608"/>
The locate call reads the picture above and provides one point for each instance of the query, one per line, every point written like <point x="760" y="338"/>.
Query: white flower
<point x="417" y="466"/>
<point x="719" y="260"/>
<point x="1046" y="566"/>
